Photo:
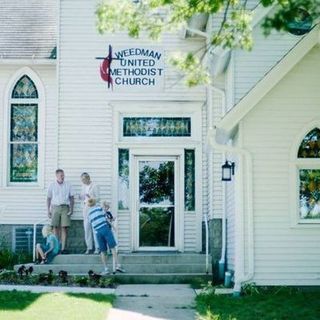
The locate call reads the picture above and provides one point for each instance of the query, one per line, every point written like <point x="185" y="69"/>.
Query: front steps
<point x="140" y="267"/>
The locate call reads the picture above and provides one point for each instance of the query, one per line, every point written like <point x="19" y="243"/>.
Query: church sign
<point x="132" y="69"/>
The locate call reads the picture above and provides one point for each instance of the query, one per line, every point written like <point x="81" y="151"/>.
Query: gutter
<point x="240" y="275"/>
<point x="35" y="61"/>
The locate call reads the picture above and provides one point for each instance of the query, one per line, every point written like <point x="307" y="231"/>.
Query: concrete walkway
<point x="153" y="302"/>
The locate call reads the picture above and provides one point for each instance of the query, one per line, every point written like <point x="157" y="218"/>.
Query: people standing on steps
<point x="97" y="218"/>
<point x="60" y="203"/>
<point x="89" y="190"/>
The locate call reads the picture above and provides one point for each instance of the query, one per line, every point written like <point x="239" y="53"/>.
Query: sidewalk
<point x="153" y="302"/>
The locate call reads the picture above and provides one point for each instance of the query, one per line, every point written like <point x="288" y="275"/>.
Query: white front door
<point x="156" y="208"/>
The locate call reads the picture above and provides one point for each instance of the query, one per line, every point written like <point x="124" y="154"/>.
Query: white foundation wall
<point x="25" y="204"/>
<point x="285" y="253"/>
<point x="86" y="128"/>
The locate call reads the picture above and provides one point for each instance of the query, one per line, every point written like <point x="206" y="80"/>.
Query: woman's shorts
<point x="105" y="239"/>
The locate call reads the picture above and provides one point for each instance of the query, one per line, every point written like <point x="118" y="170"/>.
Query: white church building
<point x="155" y="147"/>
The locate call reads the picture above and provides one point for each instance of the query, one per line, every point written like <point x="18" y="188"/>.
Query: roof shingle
<point x="28" y="28"/>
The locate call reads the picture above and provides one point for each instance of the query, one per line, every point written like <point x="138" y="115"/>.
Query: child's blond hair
<point x="46" y="230"/>
<point x="91" y="202"/>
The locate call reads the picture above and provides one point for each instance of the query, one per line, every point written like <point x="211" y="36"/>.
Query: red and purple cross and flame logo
<point x="105" y="67"/>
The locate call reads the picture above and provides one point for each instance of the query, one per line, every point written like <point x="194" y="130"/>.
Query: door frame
<point x="178" y="156"/>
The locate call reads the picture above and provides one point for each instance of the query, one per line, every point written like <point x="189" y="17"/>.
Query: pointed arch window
<point x="23" y="132"/>
<point x="309" y="176"/>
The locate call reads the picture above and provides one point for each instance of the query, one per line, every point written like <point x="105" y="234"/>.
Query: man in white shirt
<point x="60" y="202"/>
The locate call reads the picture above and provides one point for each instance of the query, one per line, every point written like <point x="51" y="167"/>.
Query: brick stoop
<point x="140" y="267"/>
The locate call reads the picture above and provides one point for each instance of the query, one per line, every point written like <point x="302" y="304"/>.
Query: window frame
<point x="297" y="164"/>
<point x="40" y="101"/>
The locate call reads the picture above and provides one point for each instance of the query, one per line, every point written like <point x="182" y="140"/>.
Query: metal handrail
<point x="35" y="234"/>
<point x="207" y="242"/>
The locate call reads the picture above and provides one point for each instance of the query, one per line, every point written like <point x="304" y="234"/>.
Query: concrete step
<point x="130" y="268"/>
<point x="140" y="267"/>
<point x="135" y="258"/>
<point x="160" y="278"/>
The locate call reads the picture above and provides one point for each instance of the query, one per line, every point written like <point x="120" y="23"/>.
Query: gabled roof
<point x="250" y="100"/>
<point x="28" y="28"/>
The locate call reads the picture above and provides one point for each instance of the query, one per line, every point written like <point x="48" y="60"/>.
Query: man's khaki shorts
<point x="60" y="217"/>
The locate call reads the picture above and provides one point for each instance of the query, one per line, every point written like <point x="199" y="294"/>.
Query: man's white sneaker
<point x="105" y="272"/>
<point x="119" y="269"/>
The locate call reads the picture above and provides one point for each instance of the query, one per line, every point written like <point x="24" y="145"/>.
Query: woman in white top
<point x="89" y="190"/>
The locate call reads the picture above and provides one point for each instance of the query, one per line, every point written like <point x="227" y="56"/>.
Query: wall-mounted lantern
<point x="227" y="170"/>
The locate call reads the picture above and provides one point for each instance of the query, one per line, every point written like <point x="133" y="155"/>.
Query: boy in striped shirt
<point x="100" y="226"/>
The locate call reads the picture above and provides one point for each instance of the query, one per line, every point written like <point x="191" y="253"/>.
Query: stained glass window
<point x="156" y="127"/>
<point x="23" y="151"/>
<point x="24" y="162"/>
<point x="123" y="179"/>
<point x="24" y="89"/>
<point x="189" y="180"/>
<point x="310" y="145"/>
<point x="309" y="179"/>
<point x="24" y="122"/>
<point x="309" y="193"/>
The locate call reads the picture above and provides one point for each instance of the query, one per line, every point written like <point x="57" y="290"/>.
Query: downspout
<point x="222" y="260"/>
<point x="241" y="276"/>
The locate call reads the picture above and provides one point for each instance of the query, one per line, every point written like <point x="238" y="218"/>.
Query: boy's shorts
<point x="50" y="255"/>
<point x="105" y="239"/>
<point x="60" y="217"/>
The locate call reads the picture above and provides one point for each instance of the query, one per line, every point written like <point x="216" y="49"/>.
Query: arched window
<point x="23" y="132"/>
<point x="309" y="176"/>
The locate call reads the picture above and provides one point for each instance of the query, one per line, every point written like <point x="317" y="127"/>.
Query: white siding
<point x="250" y="67"/>
<point x="217" y="159"/>
<point x="26" y="204"/>
<point x="283" y="255"/>
<point x="85" y="112"/>
<point x="190" y="232"/>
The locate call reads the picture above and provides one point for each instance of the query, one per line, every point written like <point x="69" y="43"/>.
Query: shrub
<point x="8" y="258"/>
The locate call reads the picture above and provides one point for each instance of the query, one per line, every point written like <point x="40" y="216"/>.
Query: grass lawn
<point x="16" y="305"/>
<point x="284" y="304"/>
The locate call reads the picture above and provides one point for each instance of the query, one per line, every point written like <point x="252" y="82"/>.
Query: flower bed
<point x="25" y="276"/>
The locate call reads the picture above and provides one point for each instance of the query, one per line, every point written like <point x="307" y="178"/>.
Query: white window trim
<point x="41" y="129"/>
<point x="156" y="109"/>
<point x="295" y="165"/>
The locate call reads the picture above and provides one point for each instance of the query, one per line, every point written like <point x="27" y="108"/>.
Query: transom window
<point x="309" y="176"/>
<point x="156" y="127"/>
<point x="23" y="132"/>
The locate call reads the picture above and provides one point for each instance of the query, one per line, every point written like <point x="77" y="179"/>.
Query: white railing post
<point x="34" y="242"/>
<point x="207" y="242"/>
<point x="35" y="236"/>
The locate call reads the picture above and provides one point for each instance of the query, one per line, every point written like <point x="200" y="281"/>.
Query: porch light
<point x="227" y="170"/>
